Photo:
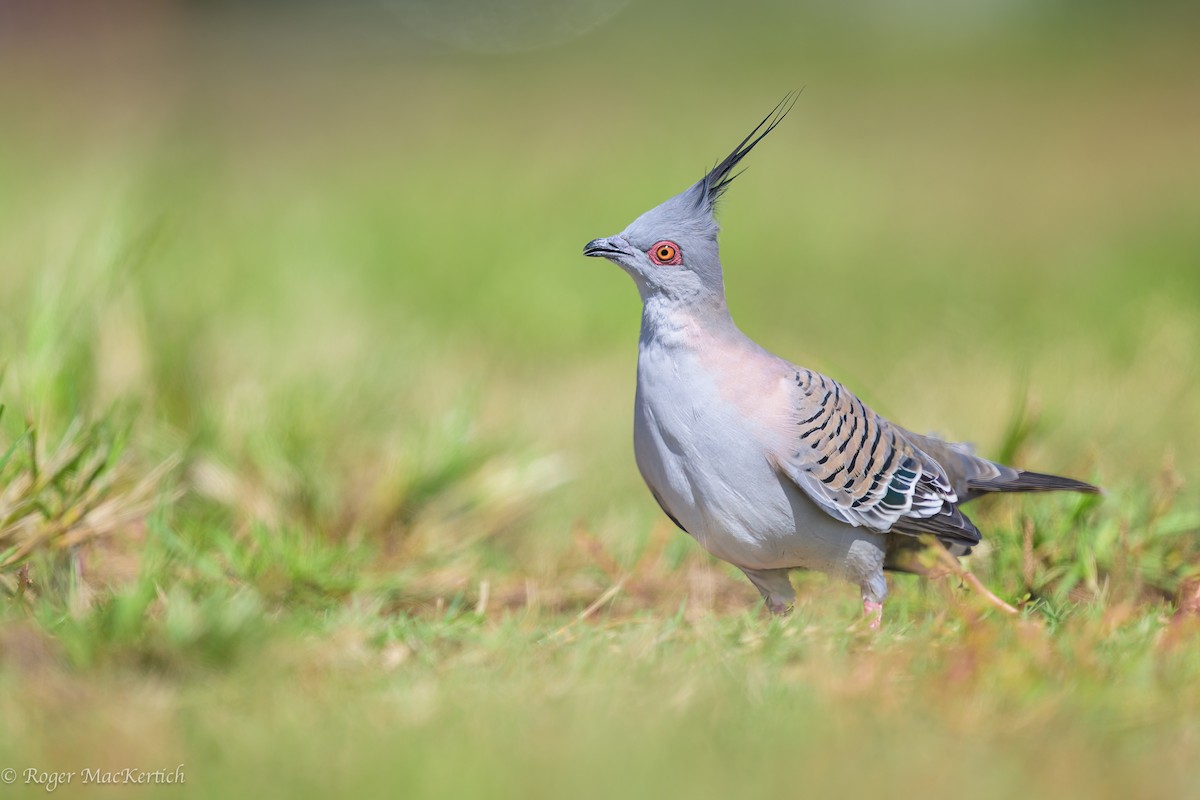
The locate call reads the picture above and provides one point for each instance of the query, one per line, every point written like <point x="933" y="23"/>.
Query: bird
<point x="768" y="465"/>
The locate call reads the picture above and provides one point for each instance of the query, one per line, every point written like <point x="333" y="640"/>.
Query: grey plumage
<point x="771" y="466"/>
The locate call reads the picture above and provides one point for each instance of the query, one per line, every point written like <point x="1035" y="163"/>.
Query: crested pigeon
<point x="768" y="465"/>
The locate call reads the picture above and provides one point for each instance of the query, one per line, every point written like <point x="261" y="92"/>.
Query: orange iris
<point x="665" y="253"/>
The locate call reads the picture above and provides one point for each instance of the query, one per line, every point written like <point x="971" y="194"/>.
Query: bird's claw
<point x="874" y="613"/>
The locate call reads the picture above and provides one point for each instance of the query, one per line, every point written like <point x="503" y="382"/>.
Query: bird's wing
<point x="863" y="470"/>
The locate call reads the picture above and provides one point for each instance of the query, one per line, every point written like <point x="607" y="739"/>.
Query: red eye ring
<point x="665" y="253"/>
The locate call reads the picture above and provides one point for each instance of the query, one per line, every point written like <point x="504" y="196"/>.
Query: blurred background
<point x="315" y="267"/>
<point x="331" y="252"/>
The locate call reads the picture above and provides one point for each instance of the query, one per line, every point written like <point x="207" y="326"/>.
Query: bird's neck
<point x="673" y="321"/>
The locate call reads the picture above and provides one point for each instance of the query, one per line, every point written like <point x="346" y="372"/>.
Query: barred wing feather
<point x="865" y="471"/>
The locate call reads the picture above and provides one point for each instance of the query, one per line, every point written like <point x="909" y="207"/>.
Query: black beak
<point x="602" y="248"/>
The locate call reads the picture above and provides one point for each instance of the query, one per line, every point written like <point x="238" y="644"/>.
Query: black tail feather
<point x="1031" y="482"/>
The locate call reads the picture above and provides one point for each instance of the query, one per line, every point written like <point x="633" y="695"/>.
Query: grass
<point x="315" y="471"/>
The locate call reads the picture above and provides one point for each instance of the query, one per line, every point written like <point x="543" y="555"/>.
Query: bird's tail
<point x="1023" y="481"/>
<point x="972" y="476"/>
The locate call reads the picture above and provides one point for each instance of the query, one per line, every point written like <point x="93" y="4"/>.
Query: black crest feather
<point x="718" y="179"/>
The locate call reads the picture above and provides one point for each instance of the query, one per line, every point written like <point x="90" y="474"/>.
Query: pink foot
<point x="874" y="612"/>
<point x="778" y="607"/>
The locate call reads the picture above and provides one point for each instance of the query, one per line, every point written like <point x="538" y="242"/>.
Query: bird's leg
<point x="874" y="592"/>
<point x="873" y="612"/>
<point x="776" y="588"/>
<point x="777" y="607"/>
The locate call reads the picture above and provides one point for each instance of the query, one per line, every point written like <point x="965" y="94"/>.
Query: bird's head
<point x="672" y="248"/>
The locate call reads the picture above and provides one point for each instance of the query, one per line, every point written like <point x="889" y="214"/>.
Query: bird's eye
<point x="665" y="253"/>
